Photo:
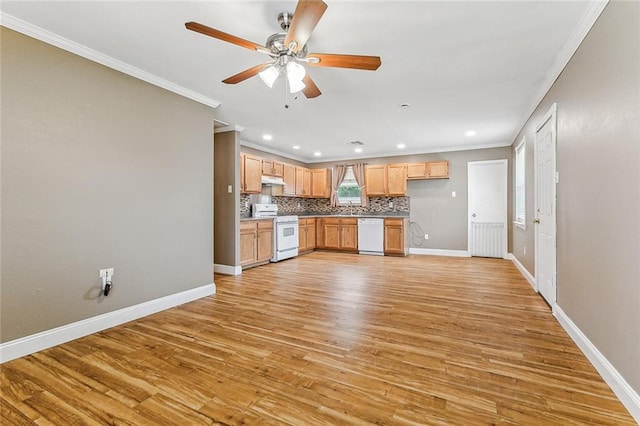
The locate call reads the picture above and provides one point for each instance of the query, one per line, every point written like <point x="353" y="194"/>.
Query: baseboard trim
<point x="625" y="393"/>
<point x="439" y="252"/>
<point x="227" y="269"/>
<point x="56" y="336"/>
<point x="525" y="273"/>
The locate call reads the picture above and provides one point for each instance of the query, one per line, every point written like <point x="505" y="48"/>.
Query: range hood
<point x="270" y="180"/>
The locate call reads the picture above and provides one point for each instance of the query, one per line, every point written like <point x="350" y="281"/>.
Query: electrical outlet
<point x="426" y="236"/>
<point x="298" y="204"/>
<point x="453" y="194"/>
<point x="390" y="204"/>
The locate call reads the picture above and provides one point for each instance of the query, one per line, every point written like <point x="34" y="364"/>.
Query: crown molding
<point x="587" y="21"/>
<point x="230" y="128"/>
<point x="272" y="151"/>
<point x="48" y="37"/>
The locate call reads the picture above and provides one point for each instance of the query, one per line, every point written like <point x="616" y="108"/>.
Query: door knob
<point x="473" y="215"/>
<point x="536" y="220"/>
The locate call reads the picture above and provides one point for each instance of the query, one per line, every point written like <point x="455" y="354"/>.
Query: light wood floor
<point x="326" y="338"/>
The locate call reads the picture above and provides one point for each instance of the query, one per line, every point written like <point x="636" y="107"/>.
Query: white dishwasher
<point x="371" y="236"/>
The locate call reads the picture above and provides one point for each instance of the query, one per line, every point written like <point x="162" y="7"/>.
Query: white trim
<point x="272" y="151"/>
<point x="439" y="252"/>
<point x="525" y="273"/>
<point x="56" y="336"/>
<point x="230" y="128"/>
<point x="587" y="20"/>
<point x="227" y="269"/>
<point x="41" y="34"/>
<point x="520" y="147"/>
<point x="625" y="393"/>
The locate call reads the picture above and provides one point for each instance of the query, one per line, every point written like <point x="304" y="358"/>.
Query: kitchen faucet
<point x="350" y="208"/>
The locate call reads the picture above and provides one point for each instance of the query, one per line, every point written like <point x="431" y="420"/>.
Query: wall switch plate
<point x="106" y="273"/>
<point x="230" y="189"/>
<point x="426" y="236"/>
<point x="453" y="194"/>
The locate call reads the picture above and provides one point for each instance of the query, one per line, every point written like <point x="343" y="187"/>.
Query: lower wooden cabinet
<point x="306" y="235"/>
<point x="395" y="236"/>
<point x="337" y="233"/>
<point x="256" y="242"/>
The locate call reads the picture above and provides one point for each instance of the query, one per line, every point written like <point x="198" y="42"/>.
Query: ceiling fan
<point x="288" y="50"/>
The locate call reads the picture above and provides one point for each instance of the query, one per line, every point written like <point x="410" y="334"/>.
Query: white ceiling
<point x="461" y="65"/>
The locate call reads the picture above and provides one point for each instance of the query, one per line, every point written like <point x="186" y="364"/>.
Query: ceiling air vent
<point x="355" y="143"/>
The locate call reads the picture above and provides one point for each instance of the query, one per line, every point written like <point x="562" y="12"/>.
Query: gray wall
<point x="598" y="195"/>
<point x="227" y="205"/>
<point x="98" y="170"/>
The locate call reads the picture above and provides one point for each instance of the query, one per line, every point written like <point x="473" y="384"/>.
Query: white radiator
<point x="487" y="239"/>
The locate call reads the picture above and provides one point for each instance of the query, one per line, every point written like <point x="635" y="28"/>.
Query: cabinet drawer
<point x="265" y="224"/>
<point x="394" y="222"/>
<point x="248" y="225"/>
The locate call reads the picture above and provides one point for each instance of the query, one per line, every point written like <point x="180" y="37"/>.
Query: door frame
<point x="505" y="237"/>
<point x="551" y="114"/>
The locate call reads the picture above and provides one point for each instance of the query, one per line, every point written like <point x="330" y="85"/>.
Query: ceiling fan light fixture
<point x="295" y="74"/>
<point x="269" y="75"/>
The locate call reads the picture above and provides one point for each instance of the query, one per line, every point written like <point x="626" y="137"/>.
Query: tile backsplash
<point x="293" y="205"/>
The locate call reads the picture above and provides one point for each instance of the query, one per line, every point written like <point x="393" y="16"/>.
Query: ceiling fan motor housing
<point x="275" y="43"/>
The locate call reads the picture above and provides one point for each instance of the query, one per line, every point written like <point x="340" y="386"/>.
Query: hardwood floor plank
<point x="326" y="338"/>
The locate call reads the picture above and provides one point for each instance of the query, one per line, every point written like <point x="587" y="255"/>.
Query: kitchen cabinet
<point x="289" y="177"/>
<point x="338" y="234"/>
<point x="386" y="180"/>
<point x="306" y="234"/>
<point x="438" y="169"/>
<point x="250" y="174"/>
<point x="256" y="242"/>
<point x="395" y="238"/>
<point x="428" y="170"/>
<point x="272" y="168"/>
<point x="376" y="180"/>
<point x="396" y="180"/>
<point x="303" y="182"/>
<point x="320" y="183"/>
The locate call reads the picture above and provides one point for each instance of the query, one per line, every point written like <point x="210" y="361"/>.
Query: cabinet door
<point x="332" y="233"/>
<point x="289" y="180"/>
<point x="320" y="183"/>
<point x="417" y="171"/>
<point x="300" y="189"/>
<point x="394" y="236"/>
<point x="438" y="170"/>
<point x="265" y="241"/>
<point x="320" y="233"/>
<point x="349" y="235"/>
<point x="248" y="240"/>
<point x="376" y="179"/>
<point x="278" y="169"/>
<point x="311" y="234"/>
<point x="252" y="174"/>
<point x="396" y="180"/>
<point x="302" y="235"/>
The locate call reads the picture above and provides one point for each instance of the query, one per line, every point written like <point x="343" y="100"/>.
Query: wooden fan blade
<point x="370" y="63"/>
<point x="305" y="19"/>
<point x="212" y="32"/>
<point x="310" y="89"/>
<point x="242" y="76"/>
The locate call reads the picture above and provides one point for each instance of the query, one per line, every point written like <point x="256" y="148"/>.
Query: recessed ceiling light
<point x="267" y="137"/>
<point x="296" y="147"/>
<point x="404" y="106"/>
<point x="358" y="150"/>
<point x="470" y="133"/>
<point x="400" y="146"/>
<point x="317" y="154"/>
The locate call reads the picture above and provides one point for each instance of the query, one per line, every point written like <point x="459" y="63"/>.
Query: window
<point x="349" y="191"/>
<point x="520" y="189"/>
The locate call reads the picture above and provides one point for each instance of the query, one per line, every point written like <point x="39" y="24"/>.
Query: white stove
<point x="285" y="231"/>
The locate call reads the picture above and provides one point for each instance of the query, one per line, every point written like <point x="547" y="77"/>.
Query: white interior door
<point x="545" y="206"/>
<point x="487" y="211"/>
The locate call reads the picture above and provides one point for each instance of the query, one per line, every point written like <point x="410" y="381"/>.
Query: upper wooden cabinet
<point x="320" y="183"/>
<point x="303" y="182"/>
<point x="289" y="180"/>
<point x="386" y="180"/>
<point x="250" y="174"/>
<point x="428" y="170"/>
<point x="376" y="180"/>
<point x="438" y="169"/>
<point x="272" y="168"/>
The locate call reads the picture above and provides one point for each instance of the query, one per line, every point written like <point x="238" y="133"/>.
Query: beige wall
<point x="598" y="195"/>
<point x="99" y="170"/>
